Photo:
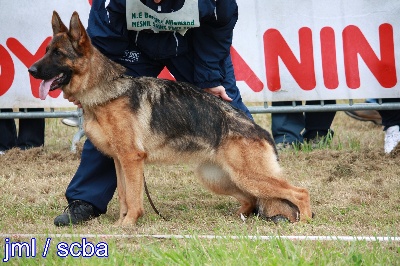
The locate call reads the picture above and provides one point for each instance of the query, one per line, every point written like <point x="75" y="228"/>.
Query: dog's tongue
<point x="45" y="88"/>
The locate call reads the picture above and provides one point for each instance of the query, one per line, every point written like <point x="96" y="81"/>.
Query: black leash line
<point x="150" y="200"/>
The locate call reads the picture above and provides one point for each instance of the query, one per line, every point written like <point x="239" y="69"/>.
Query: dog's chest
<point x="98" y="136"/>
<point x="111" y="127"/>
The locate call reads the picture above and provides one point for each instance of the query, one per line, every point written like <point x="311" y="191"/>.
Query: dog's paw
<point x="128" y="222"/>
<point x="118" y="223"/>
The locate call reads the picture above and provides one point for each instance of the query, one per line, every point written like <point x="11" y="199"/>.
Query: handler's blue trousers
<point x="95" y="180"/>
<point x="290" y="128"/>
<point x="30" y="133"/>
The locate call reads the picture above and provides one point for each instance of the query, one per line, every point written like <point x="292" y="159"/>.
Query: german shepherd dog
<point x="146" y="120"/>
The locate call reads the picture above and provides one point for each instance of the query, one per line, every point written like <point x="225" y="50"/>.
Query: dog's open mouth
<point x="49" y="85"/>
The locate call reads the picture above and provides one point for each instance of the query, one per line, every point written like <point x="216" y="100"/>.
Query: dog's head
<point x="64" y="54"/>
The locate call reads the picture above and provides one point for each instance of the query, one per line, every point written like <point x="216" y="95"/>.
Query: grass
<point x="196" y="251"/>
<point x="354" y="190"/>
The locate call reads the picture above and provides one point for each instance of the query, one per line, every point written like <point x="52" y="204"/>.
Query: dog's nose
<point x="33" y="70"/>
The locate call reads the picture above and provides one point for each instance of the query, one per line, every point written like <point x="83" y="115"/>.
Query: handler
<point x="198" y="54"/>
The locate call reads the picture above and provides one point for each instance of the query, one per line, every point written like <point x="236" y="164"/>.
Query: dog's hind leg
<point x="253" y="167"/>
<point x="270" y="192"/>
<point x="217" y="180"/>
<point x="276" y="210"/>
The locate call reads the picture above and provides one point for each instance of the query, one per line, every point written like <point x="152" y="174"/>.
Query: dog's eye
<point x="57" y="52"/>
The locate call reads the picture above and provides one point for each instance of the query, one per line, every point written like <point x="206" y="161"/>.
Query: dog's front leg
<point x="121" y="188"/>
<point x="132" y="167"/>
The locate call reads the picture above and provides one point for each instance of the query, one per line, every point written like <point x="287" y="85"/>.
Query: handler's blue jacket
<point x="210" y="43"/>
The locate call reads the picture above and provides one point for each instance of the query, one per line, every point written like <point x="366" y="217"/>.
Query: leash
<point x="150" y="200"/>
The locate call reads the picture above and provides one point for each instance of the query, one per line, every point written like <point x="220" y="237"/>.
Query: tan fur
<point x="244" y="168"/>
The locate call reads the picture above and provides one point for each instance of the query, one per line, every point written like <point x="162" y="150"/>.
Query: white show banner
<point x="282" y="49"/>
<point x="318" y="49"/>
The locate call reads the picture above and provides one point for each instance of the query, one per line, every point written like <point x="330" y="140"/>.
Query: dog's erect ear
<point x="57" y="24"/>
<point x="80" y="39"/>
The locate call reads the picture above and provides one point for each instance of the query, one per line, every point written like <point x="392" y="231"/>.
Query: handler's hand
<point x="219" y="91"/>
<point x="72" y="100"/>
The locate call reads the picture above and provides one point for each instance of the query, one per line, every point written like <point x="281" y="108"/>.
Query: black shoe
<point x="277" y="219"/>
<point x="76" y="212"/>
